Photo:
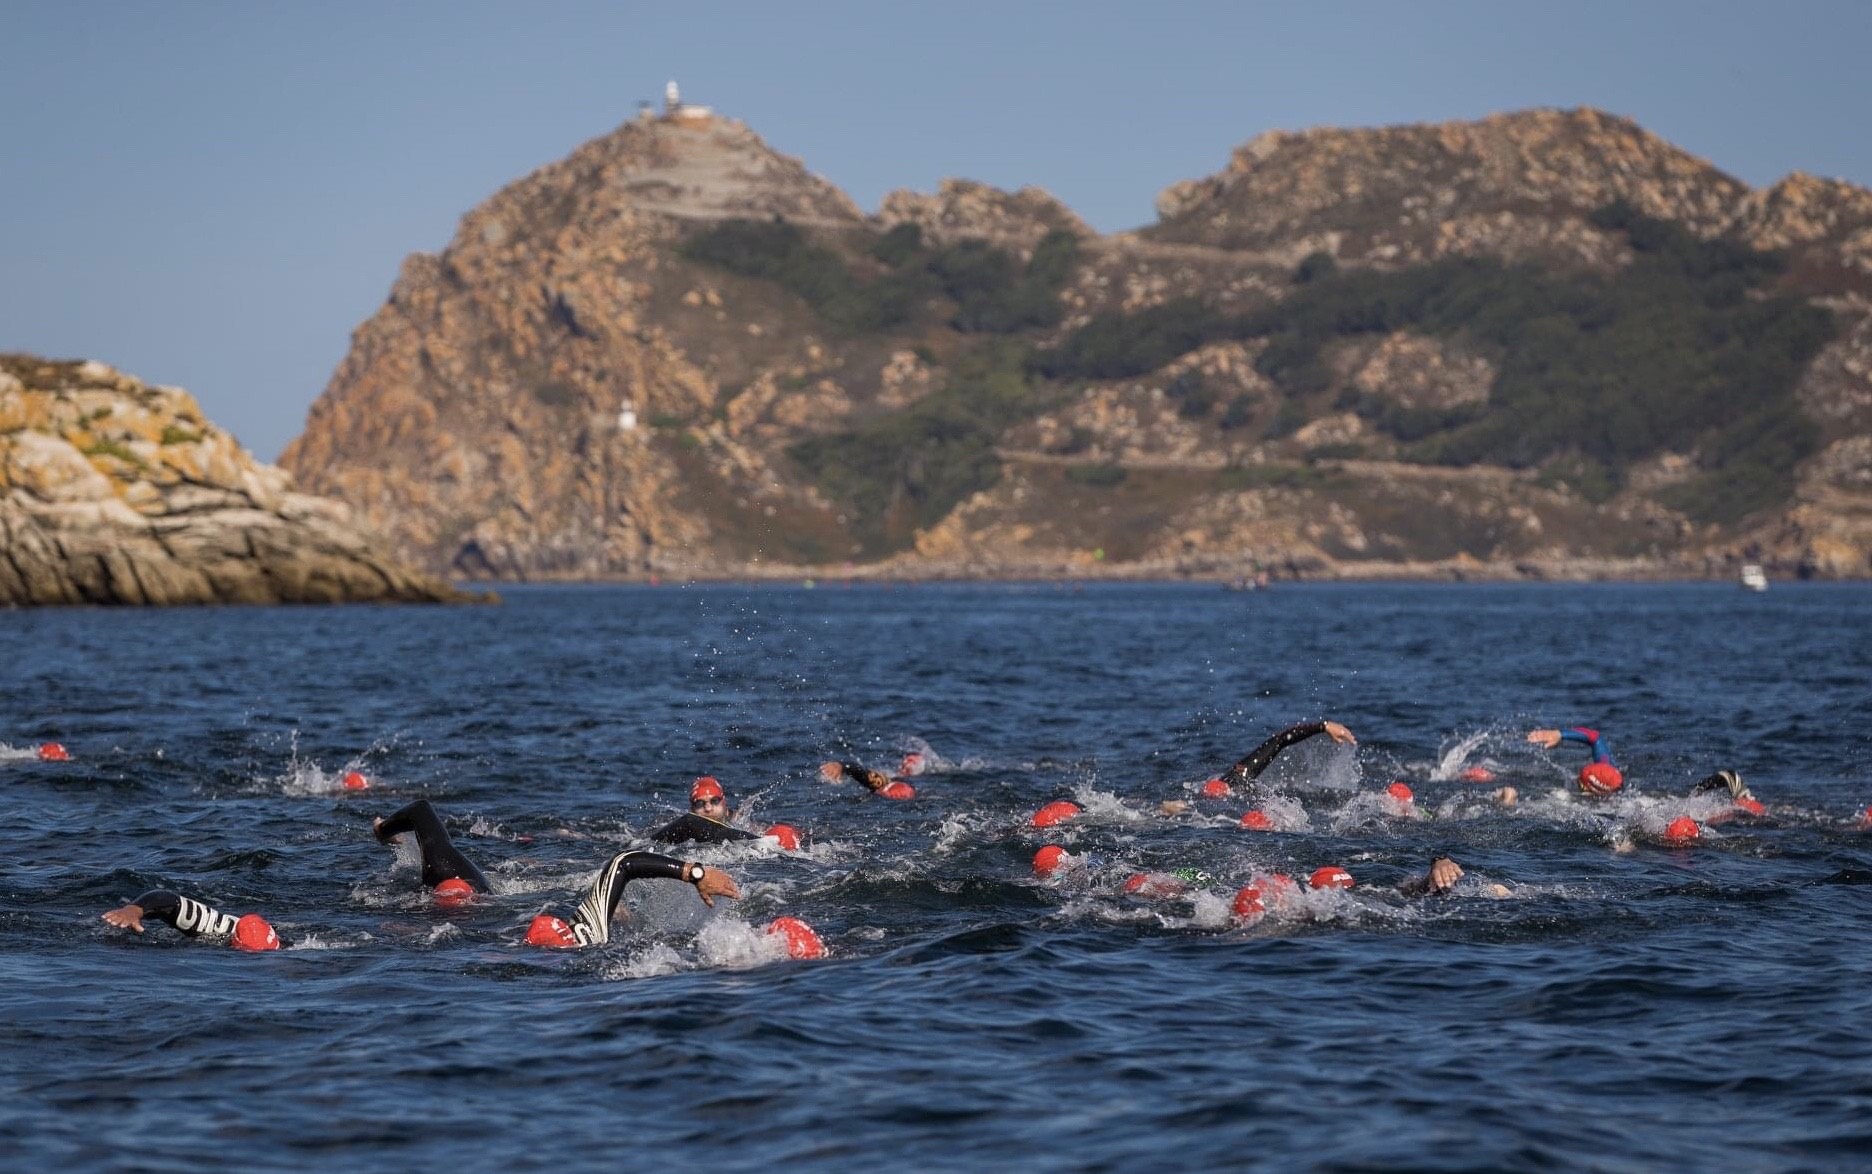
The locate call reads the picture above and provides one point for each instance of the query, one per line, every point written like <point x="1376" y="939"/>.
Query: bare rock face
<point x="112" y="491"/>
<point x="962" y="209"/>
<point x="1514" y="185"/>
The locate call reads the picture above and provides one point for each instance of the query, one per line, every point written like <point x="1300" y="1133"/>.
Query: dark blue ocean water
<point x="1627" y="1006"/>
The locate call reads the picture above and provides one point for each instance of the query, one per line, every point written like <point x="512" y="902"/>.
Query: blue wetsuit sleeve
<point x="1591" y="740"/>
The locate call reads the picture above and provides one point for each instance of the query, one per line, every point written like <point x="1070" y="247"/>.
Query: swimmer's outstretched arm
<point x="1580" y="734"/>
<point x="1250" y="768"/>
<point x="592" y="922"/>
<point x="185" y="914"/>
<point x="442" y="860"/>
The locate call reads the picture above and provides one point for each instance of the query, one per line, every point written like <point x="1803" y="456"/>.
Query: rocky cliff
<point x="677" y="351"/>
<point x="113" y="491"/>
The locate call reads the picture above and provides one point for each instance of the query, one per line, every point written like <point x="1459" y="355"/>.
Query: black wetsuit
<point x="442" y="860"/>
<point x="189" y="917"/>
<point x="692" y="828"/>
<point x="1250" y="768"/>
<point x="871" y="780"/>
<point x="591" y="922"/>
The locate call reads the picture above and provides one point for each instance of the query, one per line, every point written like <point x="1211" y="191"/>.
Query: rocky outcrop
<point x="561" y="393"/>
<point x="113" y="491"/>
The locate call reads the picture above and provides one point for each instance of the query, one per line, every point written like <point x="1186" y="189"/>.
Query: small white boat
<point x="1752" y="577"/>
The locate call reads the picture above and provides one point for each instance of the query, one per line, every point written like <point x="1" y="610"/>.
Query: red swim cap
<point x="801" y="941"/>
<point x="1400" y="791"/>
<point x="1600" y="778"/>
<point x="1752" y="806"/>
<point x="912" y="765"/>
<point x="1049" y="860"/>
<point x="453" y="891"/>
<point x="1056" y="812"/>
<point x="1477" y="774"/>
<point x="785" y="835"/>
<point x="897" y="789"/>
<point x="253" y="933"/>
<point x="706" y="788"/>
<point x="551" y="932"/>
<point x="1257" y="821"/>
<point x="353" y="781"/>
<point x="1144" y="884"/>
<point x="1215" y="789"/>
<point x="1248" y="903"/>
<point x="53" y="752"/>
<point x="1682" y="830"/>
<point x="1331" y="877"/>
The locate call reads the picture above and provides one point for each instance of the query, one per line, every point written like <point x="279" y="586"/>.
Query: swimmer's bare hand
<point x="1506" y="796"/>
<point x="832" y="772"/>
<point x="1339" y="734"/>
<point x="1547" y="739"/>
<point x="715" y="883"/>
<point x="1444" y="873"/>
<point x="1172" y="807"/>
<point x="126" y="917"/>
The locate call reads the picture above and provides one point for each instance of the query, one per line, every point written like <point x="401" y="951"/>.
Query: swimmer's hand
<point x="126" y="917"/>
<point x="377" y="823"/>
<point x="1339" y="734"/>
<point x="1173" y="807"/>
<point x="715" y="883"/>
<point x="1547" y="739"/>
<point x="1506" y="796"/>
<point x="1444" y="873"/>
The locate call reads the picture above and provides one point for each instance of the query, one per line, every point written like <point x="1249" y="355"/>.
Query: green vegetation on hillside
<point x="1685" y="349"/>
<point x="905" y="471"/>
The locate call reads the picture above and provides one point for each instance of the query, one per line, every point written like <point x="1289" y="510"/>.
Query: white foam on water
<point x="1105" y="807"/>
<point x="651" y="961"/>
<point x="18" y="753"/>
<point x="330" y="941"/>
<point x="730" y="943"/>
<point x="1286" y="813"/>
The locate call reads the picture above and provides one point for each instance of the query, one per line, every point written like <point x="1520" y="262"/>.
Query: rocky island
<point x="1543" y="344"/>
<point x="116" y="492"/>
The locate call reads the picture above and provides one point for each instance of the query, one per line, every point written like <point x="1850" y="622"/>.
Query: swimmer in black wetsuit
<point x="195" y="919"/>
<point x="1442" y="877"/>
<point x="874" y="781"/>
<point x="591" y="922"/>
<point x="707" y="821"/>
<point x="442" y="861"/>
<point x="1249" y="769"/>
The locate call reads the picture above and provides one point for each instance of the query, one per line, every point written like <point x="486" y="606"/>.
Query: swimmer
<point x="1249" y="769"/>
<point x="443" y="865"/>
<point x="1442" y="877"/>
<point x="1599" y="777"/>
<point x="196" y="919"/>
<point x="591" y="922"/>
<point x="1731" y="783"/>
<point x="707" y="821"/>
<point x="874" y="781"/>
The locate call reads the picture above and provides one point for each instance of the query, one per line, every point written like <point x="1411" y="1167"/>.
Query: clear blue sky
<point x="216" y="194"/>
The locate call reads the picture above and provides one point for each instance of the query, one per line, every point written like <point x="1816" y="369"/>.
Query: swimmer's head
<point x="1050" y="860"/>
<point x="1682" y="830"/>
<point x="912" y="765"/>
<point x="707" y="798"/>
<point x="453" y="891"/>
<point x="1600" y="778"/>
<point x="1056" y="812"/>
<point x="253" y="933"/>
<point x="1248" y="903"/>
<point x="896" y="789"/>
<point x="1215" y="789"/>
<point x="1331" y="877"/>
<point x="355" y="781"/>
<point x="785" y="835"/>
<point x="53" y="752"/>
<point x="801" y="940"/>
<point x="1257" y="821"/>
<point x="551" y="932"/>
<point x="1400" y="791"/>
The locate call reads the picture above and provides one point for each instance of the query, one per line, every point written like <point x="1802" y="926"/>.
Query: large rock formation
<point x="564" y="393"/>
<point x="112" y="491"/>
